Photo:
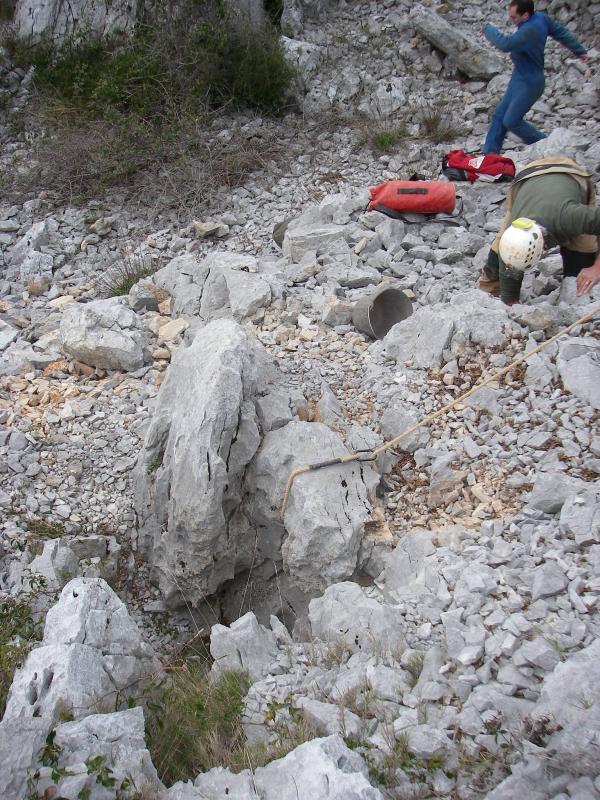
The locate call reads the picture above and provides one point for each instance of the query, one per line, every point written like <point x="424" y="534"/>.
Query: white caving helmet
<point x="521" y="244"/>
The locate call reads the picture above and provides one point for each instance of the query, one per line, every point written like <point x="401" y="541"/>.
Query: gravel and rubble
<point x="442" y="633"/>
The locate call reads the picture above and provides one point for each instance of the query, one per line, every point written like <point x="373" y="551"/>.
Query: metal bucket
<point x="376" y="313"/>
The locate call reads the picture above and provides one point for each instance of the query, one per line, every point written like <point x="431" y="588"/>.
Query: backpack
<point x="420" y="197"/>
<point x="460" y="166"/>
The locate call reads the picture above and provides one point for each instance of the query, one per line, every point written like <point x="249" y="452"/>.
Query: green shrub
<point x="196" y="725"/>
<point x="386" y="140"/>
<point x="381" y="134"/>
<point x="177" y="60"/>
<point x="438" y="126"/>
<point x="19" y="631"/>
<point x="126" y="272"/>
<point x="118" y="108"/>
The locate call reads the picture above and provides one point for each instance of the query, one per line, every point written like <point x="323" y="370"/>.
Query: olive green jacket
<point x="549" y="202"/>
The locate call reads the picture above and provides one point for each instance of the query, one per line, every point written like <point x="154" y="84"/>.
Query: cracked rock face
<point x="91" y="654"/>
<point x="60" y="20"/>
<point x="189" y="474"/>
<point x="327" y="510"/>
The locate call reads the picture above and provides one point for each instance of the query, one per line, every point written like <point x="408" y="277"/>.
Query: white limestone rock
<point x="317" y="769"/>
<point x="425" y="338"/>
<point x="202" y="436"/>
<point x="91" y="656"/>
<point x="477" y="60"/>
<point x="551" y="489"/>
<point x="346" y="614"/>
<point x="37" y="236"/>
<point x="118" y="739"/>
<point x="579" y="368"/>
<point x="327" y="511"/>
<point x="244" y="646"/>
<point x="58" y="20"/>
<point x="105" y="334"/>
<point x="329" y="718"/>
<point x="580" y="517"/>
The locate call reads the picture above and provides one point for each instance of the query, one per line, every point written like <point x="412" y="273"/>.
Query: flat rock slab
<point x="245" y="646"/>
<point x="434" y="332"/>
<point x="346" y="614"/>
<point x="474" y="59"/>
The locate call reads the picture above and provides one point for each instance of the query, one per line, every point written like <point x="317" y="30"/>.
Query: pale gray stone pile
<point x="441" y="602"/>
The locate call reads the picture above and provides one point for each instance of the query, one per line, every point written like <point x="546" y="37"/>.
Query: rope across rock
<point x="365" y="455"/>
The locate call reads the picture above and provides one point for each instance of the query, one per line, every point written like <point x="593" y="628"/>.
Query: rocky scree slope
<point x="443" y="606"/>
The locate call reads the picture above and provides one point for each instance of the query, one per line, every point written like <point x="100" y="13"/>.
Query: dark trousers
<point x="511" y="280"/>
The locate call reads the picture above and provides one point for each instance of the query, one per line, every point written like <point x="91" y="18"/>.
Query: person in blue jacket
<point x="526" y="48"/>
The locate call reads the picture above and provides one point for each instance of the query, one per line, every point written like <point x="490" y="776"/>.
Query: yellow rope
<point x="434" y="414"/>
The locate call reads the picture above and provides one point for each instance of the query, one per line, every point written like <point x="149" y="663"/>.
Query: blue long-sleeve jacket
<point x="526" y="45"/>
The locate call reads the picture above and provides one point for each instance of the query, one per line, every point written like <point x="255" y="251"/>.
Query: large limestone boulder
<point x="188" y="481"/>
<point x="91" y="657"/>
<point x="245" y="646"/>
<point x="436" y="332"/>
<point x="118" y="740"/>
<point x="220" y="285"/>
<point x="296" y="12"/>
<point x="345" y="613"/>
<point x="561" y="140"/>
<point x="474" y="59"/>
<point x="319" y="768"/>
<point x="37" y="236"/>
<point x="327" y="511"/>
<point x="105" y="334"/>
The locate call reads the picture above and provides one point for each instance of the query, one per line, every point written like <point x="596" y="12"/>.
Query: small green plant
<point x="40" y="529"/>
<point x="414" y="667"/>
<point x="124" y="274"/>
<point x="19" y="632"/>
<point x="382" y="135"/>
<point x="436" y="125"/>
<point x="96" y="766"/>
<point x="386" y="140"/>
<point x="418" y="770"/>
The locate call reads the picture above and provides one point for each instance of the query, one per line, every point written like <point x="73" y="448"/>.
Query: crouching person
<point x="557" y="195"/>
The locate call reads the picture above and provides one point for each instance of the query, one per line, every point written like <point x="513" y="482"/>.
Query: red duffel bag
<point x="418" y="197"/>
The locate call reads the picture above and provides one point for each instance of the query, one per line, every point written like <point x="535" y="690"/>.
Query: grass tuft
<point x="40" y="529"/>
<point x="438" y="127"/>
<point x="414" y="667"/>
<point x="124" y="274"/>
<point x="196" y="725"/>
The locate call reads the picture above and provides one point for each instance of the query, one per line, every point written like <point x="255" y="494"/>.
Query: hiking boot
<point x="489" y="286"/>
